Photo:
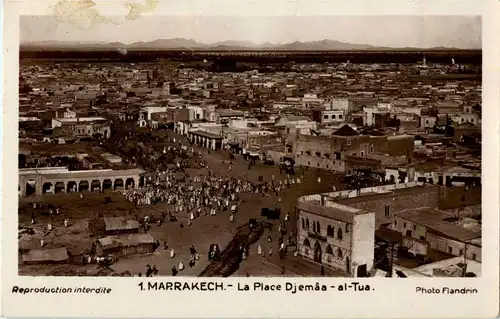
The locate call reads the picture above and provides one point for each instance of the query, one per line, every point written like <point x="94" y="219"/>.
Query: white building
<point x="146" y="112"/>
<point x="333" y="117"/>
<point x="336" y="235"/>
<point x="337" y="104"/>
<point x="195" y="112"/>
<point x="301" y="128"/>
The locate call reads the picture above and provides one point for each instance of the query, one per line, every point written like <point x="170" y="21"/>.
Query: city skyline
<point x="461" y="32"/>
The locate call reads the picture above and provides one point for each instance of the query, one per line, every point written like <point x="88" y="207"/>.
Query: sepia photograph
<point x="326" y="146"/>
<point x="235" y="159"/>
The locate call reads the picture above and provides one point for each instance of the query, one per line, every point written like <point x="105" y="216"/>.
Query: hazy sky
<point x="397" y="31"/>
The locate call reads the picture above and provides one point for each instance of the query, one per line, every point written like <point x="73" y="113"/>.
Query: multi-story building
<point x="426" y="228"/>
<point x="83" y="126"/>
<point x="339" y="229"/>
<point x="347" y="149"/>
<point x="329" y="116"/>
<point x="336" y="235"/>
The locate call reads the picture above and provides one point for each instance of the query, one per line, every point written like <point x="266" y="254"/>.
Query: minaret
<point x="424" y="61"/>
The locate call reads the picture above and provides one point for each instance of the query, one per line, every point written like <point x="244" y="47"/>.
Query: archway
<point x="59" y="188"/>
<point x="71" y="187"/>
<point x="30" y="187"/>
<point x="129" y="183"/>
<point x="107" y="184"/>
<point x="118" y="183"/>
<point x="47" y="188"/>
<point x="83" y="186"/>
<point x="95" y="185"/>
<point x="142" y="181"/>
<point x="317" y="252"/>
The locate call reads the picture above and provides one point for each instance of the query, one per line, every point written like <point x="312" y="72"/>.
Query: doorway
<point x="362" y="271"/>
<point x="317" y="252"/>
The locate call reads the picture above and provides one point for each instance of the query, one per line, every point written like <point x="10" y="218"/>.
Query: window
<point x="327" y="155"/>
<point x="395" y="223"/>
<point x="303" y="223"/>
<point x="408" y="233"/>
<point x="474" y="256"/>
<point x="339" y="234"/>
<point x="404" y="225"/>
<point x="337" y="156"/>
<point x="309" y="163"/>
<point x="426" y="121"/>
<point x="371" y="148"/>
<point x="330" y="231"/>
<point x="307" y="223"/>
<point x="340" y="116"/>
<point x="329" y="250"/>
<point x="307" y="243"/>
<point x="308" y="152"/>
<point x="422" y="237"/>
<point x="318" y="154"/>
<point x="414" y="227"/>
<point x="339" y="253"/>
<point x="362" y="153"/>
<point x="461" y="252"/>
<point x="325" y="117"/>
<point x="318" y="228"/>
<point x="450" y="250"/>
<point x="333" y="116"/>
<point x="348" y="142"/>
<point x="346" y="228"/>
<point x="306" y="251"/>
<point x="387" y="211"/>
<point x="314" y="226"/>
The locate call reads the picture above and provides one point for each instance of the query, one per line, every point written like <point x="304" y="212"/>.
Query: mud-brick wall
<point x="420" y="198"/>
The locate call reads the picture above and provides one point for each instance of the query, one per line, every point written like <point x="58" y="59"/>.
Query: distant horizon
<point x="248" y="44"/>
<point x="423" y="32"/>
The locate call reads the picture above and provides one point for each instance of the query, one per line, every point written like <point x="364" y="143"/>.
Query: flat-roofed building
<point x="55" y="180"/>
<point x="336" y="235"/>
<point x="439" y="230"/>
<point x="83" y="126"/>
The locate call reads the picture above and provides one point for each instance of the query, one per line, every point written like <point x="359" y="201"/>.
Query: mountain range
<point x="189" y="44"/>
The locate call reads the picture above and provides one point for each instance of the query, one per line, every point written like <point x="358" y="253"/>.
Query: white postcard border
<point x="391" y="298"/>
